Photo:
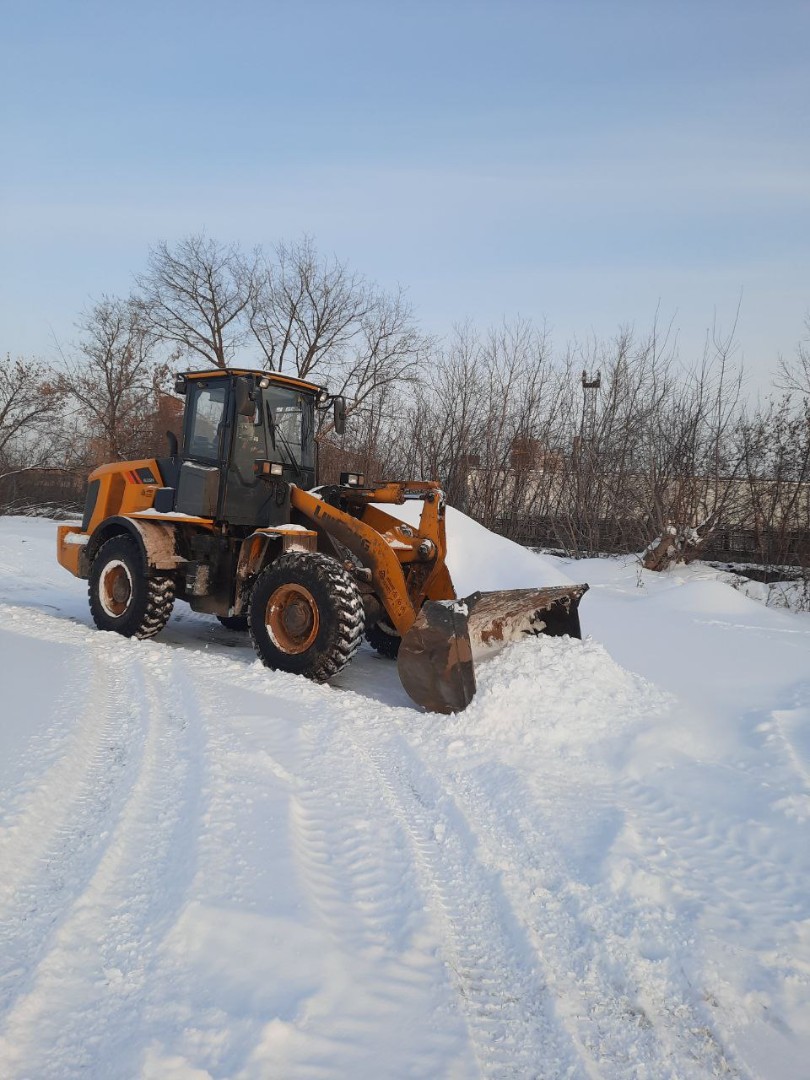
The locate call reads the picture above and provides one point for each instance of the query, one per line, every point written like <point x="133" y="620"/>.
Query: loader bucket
<point x="437" y="655"/>
<point x="435" y="659"/>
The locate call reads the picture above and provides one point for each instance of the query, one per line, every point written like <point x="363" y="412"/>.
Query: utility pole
<point x="590" y="385"/>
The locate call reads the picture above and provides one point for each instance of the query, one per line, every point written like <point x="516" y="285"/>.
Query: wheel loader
<point x="232" y="522"/>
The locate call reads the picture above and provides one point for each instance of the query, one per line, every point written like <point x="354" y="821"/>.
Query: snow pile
<point x="792" y="595"/>
<point x="480" y="560"/>
<point x="561" y="694"/>
<point x="599" y="869"/>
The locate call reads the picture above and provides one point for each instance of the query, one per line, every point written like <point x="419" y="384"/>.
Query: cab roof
<point x="273" y="376"/>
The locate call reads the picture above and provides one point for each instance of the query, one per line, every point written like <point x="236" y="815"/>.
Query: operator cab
<point x="247" y="435"/>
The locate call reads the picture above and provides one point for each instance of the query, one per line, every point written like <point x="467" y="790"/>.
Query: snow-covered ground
<point x="600" y="869"/>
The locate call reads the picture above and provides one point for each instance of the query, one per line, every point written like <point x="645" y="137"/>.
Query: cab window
<point x="249" y="444"/>
<point x="292" y="421"/>
<point x="206" y="421"/>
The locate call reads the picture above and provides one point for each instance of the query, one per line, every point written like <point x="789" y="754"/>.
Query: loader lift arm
<point x="380" y="543"/>
<point x="441" y="635"/>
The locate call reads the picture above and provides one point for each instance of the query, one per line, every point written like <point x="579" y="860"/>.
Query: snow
<point x="600" y="869"/>
<point x="477" y="560"/>
<point x="790" y="593"/>
<point x="169" y="515"/>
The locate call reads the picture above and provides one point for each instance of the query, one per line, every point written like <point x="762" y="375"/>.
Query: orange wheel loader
<point x="231" y="522"/>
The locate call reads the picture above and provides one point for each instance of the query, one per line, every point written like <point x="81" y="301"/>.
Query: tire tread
<point x="157" y="603"/>
<point x="347" y="630"/>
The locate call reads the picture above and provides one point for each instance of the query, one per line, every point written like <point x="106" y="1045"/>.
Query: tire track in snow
<point x="90" y="985"/>
<point x="625" y="1010"/>
<point x="737" y="860"/>
<point x="355" y="880"/>
<point x="749" y="888"/>
<point x="508" y="1009"/>
<point x="354" y="870"/>
<point x="788" y="730"/>
<point x="506" y="1001"/>
<point x="57" y="833"/>
<point x="542" y="797"/>
<point x="364" y="883"/>
<point x="621" y="1008"/>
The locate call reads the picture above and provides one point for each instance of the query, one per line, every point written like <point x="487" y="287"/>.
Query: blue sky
<point x="576" y="162"/>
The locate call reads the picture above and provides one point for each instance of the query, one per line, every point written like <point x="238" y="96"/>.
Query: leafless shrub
<point x="520" y="444"/>
<point x="775" y="500"/>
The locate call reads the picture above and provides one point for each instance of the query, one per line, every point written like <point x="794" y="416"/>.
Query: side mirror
<point x="340" y="415"/>
<point x="244" y="402"/>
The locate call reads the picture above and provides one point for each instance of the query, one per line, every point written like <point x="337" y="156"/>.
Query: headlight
<point x="267" y="468"/>
<point x="350" y="479"/>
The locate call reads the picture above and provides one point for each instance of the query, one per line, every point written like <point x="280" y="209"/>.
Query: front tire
<point x="306" y="615"/>
<point x="123" y="597"/>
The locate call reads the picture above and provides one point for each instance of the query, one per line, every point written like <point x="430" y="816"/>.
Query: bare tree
<point x="441" y="424"/>
<point x="307" y="310"/>
<point x="776" y="504"/>
<point x="694" y="453"/>
<point x="320" y="320"/>
<point x="794" y="376"/>
<point x="388" y="353"/>
<point x="475" y="412"/>
<point x="31" y="400"/>
<point x="114" y="376"/>
<point x="502" y="423"/>
<point x="197" y="295"/>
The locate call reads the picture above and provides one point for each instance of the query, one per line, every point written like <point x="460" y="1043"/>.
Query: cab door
<point x="249" y="500"/>
<point x="204" y="435"/>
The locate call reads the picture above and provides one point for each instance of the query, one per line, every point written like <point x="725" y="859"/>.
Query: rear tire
<point x="386" y="643"/>
<point x="306" y="615"/>
<point x="237" y="623"/>
<point x="123" y="597"/>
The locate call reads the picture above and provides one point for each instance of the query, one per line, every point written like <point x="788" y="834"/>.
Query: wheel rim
<point x="115" y="588"/>
<point x="292" y="618"/>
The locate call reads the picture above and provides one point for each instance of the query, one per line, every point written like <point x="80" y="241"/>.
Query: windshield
<point x="290" y="418"/>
